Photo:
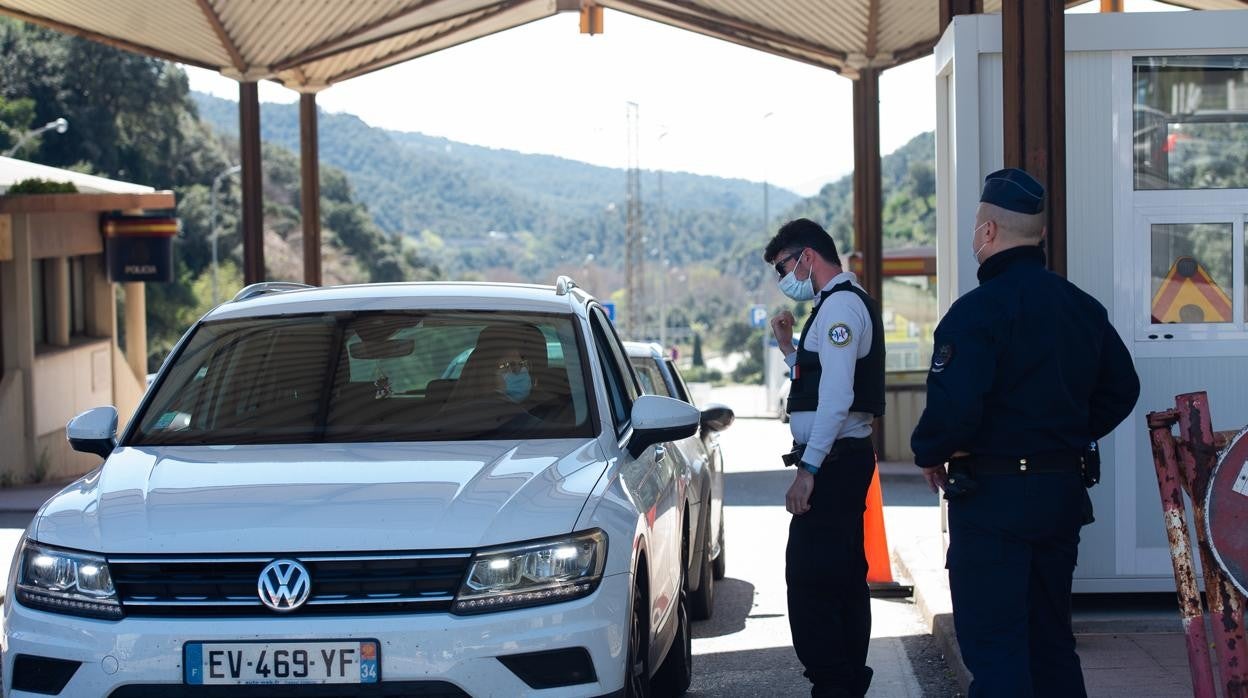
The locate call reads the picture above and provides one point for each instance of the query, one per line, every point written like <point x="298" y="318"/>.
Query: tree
<point x="16" y="116"/>
<point x="735" y="336"/>
<point x="697" y="350"/>
<point x="922" y="178"/>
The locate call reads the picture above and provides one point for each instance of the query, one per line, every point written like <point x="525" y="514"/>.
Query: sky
<point x="705" y="106"/>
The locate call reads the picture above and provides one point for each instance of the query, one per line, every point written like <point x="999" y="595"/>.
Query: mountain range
<point x="414" y="183"/>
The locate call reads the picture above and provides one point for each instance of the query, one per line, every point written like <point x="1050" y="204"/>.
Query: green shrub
<point x="35" y="185"/>
<point x="702" y="374"/>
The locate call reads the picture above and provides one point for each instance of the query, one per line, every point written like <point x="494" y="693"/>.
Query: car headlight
<point x="64" y="581"/>
<point x="549" y="571"/>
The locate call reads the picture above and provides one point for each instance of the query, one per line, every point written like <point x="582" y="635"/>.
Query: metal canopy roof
<point x="311" y="44"/>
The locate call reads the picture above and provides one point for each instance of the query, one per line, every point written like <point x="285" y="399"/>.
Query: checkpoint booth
<point x="70" y="265"/>
<point x="1157" y="200"/>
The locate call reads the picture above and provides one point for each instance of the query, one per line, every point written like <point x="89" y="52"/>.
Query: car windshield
<point x="372" y="376"/>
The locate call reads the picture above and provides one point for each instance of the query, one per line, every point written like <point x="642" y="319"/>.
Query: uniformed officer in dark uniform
<point x="837" y="390"/>
<point x="1027" y="372"/>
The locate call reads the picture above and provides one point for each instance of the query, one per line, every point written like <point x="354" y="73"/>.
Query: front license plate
<point x="337" y="661"/>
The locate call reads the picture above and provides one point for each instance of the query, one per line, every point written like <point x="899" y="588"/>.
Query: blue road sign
<point x="758" y="316"/>
<point x="610" y="306"/>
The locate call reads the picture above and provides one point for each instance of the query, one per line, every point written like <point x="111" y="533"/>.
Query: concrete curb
<point x="931" y="598"/>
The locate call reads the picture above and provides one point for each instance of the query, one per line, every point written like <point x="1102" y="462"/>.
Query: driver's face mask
<point x="517" y="384"/>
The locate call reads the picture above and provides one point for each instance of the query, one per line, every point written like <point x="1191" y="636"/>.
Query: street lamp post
<point x="212" y="223"/>
<point x="60" y="125"/>
<point x="662" y="256"/>
<point x="766" y="232"/>
<point x="766" y="204"/>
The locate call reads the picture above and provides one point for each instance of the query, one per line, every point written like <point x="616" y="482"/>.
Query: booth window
<point x="1191" y="122"/>
<point x="1192" y="273"/>
<point x="909" y="314"/>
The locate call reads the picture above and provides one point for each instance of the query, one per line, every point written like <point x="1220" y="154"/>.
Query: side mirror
<point x="657" y="419"/>
<point x="94" y="431"/>
<point x="717" y="417"/>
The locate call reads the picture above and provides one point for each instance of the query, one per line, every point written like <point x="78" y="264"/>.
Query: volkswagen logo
<point x="284" y="585"/>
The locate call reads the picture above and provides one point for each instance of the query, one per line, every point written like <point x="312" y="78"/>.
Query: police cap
<point x="1013" y="190"/>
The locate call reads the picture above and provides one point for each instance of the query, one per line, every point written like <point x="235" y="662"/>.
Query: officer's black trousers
<point x="826" y="571"/>
<point x="1013" y="544"/>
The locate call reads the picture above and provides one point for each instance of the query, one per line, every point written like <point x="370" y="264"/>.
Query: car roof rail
<point x="265" y="287"/>
<point x="564" y="285"/>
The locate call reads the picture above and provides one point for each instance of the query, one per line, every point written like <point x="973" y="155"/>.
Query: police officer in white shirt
<point x="837" y="373"/>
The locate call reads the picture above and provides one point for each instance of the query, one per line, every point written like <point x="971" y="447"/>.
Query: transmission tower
<point x="634" y="243"/>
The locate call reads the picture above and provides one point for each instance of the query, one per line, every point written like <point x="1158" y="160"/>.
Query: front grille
<point x="341" y="584"/>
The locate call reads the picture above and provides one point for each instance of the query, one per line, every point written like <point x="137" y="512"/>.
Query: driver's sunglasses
<point x="780" y="264"/>
<point x="514" y="366"/>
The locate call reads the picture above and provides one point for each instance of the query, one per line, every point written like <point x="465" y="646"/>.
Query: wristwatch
<point x="812" y="469"/>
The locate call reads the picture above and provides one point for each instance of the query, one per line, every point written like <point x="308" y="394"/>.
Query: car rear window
<point x="372" y="376"/>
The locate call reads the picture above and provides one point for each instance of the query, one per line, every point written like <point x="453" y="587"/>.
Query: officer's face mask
<point x="798" y="289"/>
<point x="517" y="384"/>
<point x="977" y="250"/>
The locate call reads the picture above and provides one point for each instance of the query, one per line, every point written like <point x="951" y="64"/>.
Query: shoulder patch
<point x="942" y="357"/>
<point x="840" y="334"/>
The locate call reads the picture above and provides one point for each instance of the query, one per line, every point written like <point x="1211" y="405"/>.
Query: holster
<point x="793" y="457"/>
<point x="1090" y="466"/>
<point x="959" y="481"/>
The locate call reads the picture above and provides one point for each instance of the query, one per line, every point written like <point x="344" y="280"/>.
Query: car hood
<point x="331" y="498"/>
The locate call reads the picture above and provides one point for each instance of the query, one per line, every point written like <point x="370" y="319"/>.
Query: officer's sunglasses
<point x="781" y="264"/>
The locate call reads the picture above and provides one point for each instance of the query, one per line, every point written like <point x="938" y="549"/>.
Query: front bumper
<point x="461" y="651"/>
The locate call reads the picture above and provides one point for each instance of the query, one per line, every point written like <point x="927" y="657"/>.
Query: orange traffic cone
<point x="875" y="543"/>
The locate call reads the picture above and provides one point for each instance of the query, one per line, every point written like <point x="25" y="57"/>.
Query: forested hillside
<point x="414" y="182"/>
<point x="909" y="193"/>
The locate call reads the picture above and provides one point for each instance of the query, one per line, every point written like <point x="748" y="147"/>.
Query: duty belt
<point x="1050" y="462"/>
<point x="840" y="447"/>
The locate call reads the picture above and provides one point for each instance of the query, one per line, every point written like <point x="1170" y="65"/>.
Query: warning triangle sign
<point x="1189" y="294"/>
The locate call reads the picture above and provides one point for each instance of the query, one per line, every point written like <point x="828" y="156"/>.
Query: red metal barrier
<point x="1186" y="464"/>
<point x="1168" y="479"/>
<point x="1198" y="454"/>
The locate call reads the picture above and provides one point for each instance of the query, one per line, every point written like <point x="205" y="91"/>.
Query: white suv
<point x="302" y="499"/>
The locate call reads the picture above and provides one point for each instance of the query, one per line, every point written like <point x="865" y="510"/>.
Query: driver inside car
<point x="502" y="375"/>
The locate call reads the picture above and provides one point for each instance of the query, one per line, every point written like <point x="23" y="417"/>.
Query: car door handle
<point x="660" y="452"/>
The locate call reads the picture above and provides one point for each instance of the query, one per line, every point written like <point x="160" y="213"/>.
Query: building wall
<point x="65" y="235"/>
<point x="43" y="387"/>
<point x="69" y="381"/>
<point x="1090" y="245"/>
<point x="12" y="424"/>
<point x="901" y="413"/>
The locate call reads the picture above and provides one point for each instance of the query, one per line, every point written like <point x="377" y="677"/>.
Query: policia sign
<point x="139" y="248"/>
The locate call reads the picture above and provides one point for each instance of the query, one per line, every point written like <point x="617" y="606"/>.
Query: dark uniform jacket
<point x="1025" y="364"/>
